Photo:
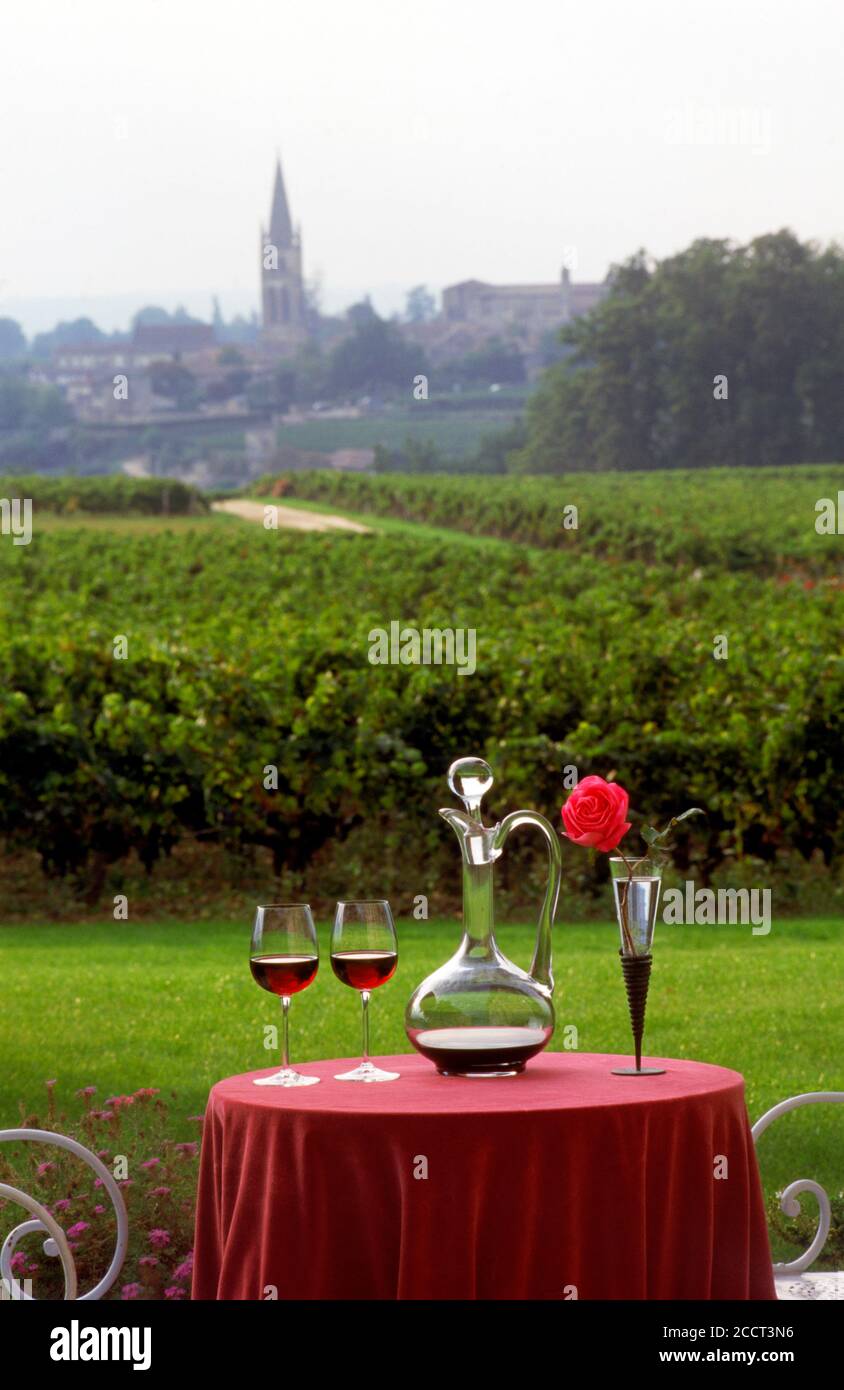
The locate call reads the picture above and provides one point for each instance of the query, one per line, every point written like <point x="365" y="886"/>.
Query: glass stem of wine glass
<point x="364" y="999"/>
<point x="285" y="1014"/>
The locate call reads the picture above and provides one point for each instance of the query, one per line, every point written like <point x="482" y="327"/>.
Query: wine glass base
<point x="638" y="1071"/>
<point x="367" y="1072"/>
<point x="285" y="1077"/>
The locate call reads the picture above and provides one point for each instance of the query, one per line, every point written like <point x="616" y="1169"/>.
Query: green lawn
<point x="120" y="1006"/>
<point x="383" y="525"/>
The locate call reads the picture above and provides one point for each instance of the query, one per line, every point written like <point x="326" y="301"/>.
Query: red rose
<point x="596" y="814"/>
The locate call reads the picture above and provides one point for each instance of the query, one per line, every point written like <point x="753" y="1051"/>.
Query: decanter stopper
<point x="470" y="779"/>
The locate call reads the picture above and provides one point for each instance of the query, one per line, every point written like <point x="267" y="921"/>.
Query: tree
<point x="231" y="383"/>
<point x="154" y="314"/>
<point x="493" y="453"/>
<point x="551" y="350"/>
<point x="12" y="340"/>
<point x="420" y="305"/>
<point x="174" y="382"/>
<point x="151" y="314"/>
<point x="24" y="406"/>
<point x="272" y="392"/>
<point x="374" y="357"/>
<point x="722" y="354"/>
<point x="181" y="315"/>
<point x="362" y="313"/>
<point x="494" y="361"/>
<point x="77" y="331"/>
<point x="231" y="356"/>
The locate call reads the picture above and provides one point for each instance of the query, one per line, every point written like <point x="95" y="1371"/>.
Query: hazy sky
<point x="426" y="142"/>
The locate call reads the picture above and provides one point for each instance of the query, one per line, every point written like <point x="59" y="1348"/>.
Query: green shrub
<point x="759" y="520"/>
<point x="112" y="493"/>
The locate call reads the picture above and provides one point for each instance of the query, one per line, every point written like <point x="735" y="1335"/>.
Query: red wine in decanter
<point x="480" y="1051"/>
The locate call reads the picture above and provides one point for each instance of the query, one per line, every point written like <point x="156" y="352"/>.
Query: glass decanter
<point x="479" y="1014"/>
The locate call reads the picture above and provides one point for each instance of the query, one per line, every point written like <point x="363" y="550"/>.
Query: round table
<point x="564" y="1182"/>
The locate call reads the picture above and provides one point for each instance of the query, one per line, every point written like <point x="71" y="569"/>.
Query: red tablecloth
<point x="566" y="1177"/>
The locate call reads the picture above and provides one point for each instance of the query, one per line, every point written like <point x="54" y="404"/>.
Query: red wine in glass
<point x="364" y="955"/>
<point x="364" y="969"/>
<point x="284" y="958"/>
<point x="284" y="974"/>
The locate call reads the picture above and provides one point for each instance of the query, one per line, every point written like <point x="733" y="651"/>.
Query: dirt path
<point x="288" y="518"/>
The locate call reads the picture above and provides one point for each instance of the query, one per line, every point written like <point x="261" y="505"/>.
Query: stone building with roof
<point x="524" y="317"/>
<point x="524" y="311"/>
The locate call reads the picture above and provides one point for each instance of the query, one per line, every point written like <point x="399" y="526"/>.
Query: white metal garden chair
<point x="43" y="1220"/>
<point x="792" y="1281"/>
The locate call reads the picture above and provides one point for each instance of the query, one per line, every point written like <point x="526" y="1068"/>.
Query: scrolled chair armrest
<point x="788" y="1202"/>
<point x="56" y="1244"/>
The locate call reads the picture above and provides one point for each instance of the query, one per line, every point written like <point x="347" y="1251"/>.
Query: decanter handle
<point x="541" y="966"/>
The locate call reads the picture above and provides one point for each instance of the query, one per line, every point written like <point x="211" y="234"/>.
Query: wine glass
<point x="364" y="955"/>
<point x="284" y="958"/>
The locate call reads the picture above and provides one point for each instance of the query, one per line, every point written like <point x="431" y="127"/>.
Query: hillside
<point x="734" y="519"/>
<point x="248" y="649"/>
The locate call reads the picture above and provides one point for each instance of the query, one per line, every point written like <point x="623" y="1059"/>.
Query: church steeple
<point x="281" y="228"/>
<point x="283" y="309"/>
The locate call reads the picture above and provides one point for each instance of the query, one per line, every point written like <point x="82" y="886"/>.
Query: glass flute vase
<point x="636" y="888"/>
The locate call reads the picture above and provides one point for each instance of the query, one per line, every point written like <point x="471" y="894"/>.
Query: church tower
<point x="284" y="326"/>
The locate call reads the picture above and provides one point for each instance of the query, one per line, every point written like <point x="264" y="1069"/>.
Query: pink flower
<point x="50" y="1084"/>
<point x="78" y="1229"/>
<point x="159" y="1238"/>
<point x="18" y="1263"/>
<point x="62" y="1204"/>
<point x="98" y="1210"/>
<point x="148" y="1261"/>
<point x="87" y="1091"/>
<point x="44" y="1168"/>
<point x="98" y="1182"/>
<point x="190" y="1148"/>
<point x="161" y="1192"/>
<point x="130" y="1291"/>
<point x="596" y="814"/>
<point x="118" y="1101"/>
<point x="185" y="1270"/>
<point x="174" y="1292"/>
<point x="146" y="1093"/>
<point x="151" y="1163"/>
